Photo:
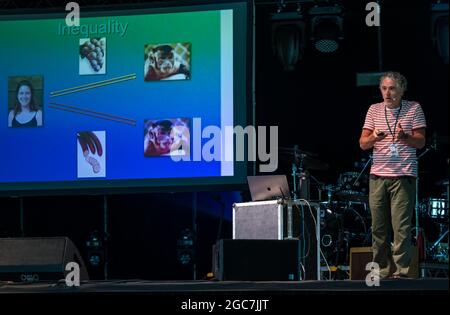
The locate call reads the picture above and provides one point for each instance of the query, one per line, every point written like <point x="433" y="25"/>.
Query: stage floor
<point x="426" y="286"/>
<point x="225" y="297"/>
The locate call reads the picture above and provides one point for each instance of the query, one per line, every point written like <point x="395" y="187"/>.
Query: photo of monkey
<point x="167" y="62"/>
<point x="165" y="137"/>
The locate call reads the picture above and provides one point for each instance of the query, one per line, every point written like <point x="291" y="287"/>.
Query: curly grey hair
<point x="399" y="78"/>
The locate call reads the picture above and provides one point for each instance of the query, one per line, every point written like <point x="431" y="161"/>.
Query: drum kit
<point x="345" y="213"/>
<point x="346" y="217"/>
<point x="434" y="215"/>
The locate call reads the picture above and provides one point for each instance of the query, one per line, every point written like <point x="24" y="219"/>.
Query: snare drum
<point x="436" y="208"/>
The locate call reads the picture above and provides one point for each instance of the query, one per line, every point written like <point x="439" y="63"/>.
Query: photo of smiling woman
<point x="24" y="109"/>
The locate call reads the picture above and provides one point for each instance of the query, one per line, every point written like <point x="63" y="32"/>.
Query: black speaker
<point x="38" y="259"/>
<point x="256" y="260"/>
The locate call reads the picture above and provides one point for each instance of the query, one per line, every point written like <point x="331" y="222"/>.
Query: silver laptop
<point x="268" y="187"/>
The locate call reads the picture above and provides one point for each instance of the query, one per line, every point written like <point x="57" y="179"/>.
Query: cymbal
<point x="294" y="150"/>
<point x="443" y="182"/>
<point x="436" y="142"/>
<point x="331" y="188"/>
<point x="437" y="139"/>
<point x="315" y="164"/>
<point x="308" y="162"/>
<point x="308" y="158"/>
<point x="352" y="197"/>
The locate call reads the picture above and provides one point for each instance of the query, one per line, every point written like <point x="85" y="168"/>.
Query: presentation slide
<point x="126" y="99"/>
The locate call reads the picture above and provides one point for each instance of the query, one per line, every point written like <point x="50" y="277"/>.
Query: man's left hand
<point x="401" y="135"/>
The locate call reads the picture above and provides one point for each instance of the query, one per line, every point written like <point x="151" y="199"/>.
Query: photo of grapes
<point x="92" y="56"/>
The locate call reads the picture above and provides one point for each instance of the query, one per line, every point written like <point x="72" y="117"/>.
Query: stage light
<point x="288" y="33"/>
<point x="439" y="29"/>
<point x="185" y="247"/>
<point x="288" y="37"/>
<point x="95" y="250"/>
<point x="326" y="28"/>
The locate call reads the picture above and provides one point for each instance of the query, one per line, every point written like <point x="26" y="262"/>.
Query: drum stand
<point x="364" y="168"/>
<point x="439" y="240"/>
<point x="297" y="172"/>
<point x="302" y="176"/>
<point x="417" y="206"/>
<point x="300" y="190"/>
<point x="443" y="233"/>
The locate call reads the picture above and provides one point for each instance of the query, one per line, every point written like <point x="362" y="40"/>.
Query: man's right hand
<point x="369" y="138"/>
<point x="378" y="135"/>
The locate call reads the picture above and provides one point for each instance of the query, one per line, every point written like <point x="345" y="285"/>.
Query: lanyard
<point x="396" y="120"/>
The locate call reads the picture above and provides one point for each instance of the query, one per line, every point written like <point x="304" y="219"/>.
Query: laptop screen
<point x="268" y="187"/>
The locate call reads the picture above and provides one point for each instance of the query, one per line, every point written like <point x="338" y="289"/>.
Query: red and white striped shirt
<point x="411" y="117"/>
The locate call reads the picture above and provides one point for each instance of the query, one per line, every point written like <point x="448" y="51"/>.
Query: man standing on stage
<point x="395" y="129"/>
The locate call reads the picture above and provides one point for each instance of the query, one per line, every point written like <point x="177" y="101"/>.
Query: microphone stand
<point x="302" y="177"/>
<point x="295" y="169"/>
<point x="294" y="179"/>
